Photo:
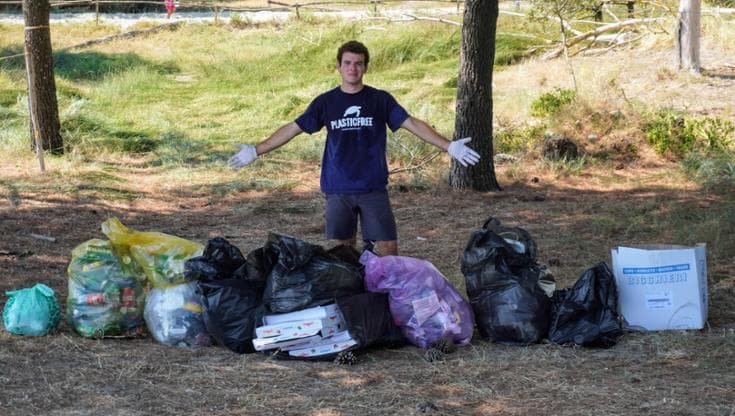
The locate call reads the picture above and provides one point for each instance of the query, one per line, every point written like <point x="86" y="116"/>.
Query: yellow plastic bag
<point x="162" y="256"/>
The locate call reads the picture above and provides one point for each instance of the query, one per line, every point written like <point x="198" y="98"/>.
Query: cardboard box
<point x="661" y="287"/>
<point x="339" y="342"/>
<point x="261" y="344"/>
<point x="299" y="329"/>
<point x="318" y="312"/>
<point x="325" y="319"/>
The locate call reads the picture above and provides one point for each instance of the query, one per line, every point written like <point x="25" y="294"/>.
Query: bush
<point x="517" y="139"/>
<point x="722" y="3"/>
<point x="674" y="134"/>
<point x="551" y="102"/>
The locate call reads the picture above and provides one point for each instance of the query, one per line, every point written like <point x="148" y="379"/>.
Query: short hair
<point x="354" y="47"/>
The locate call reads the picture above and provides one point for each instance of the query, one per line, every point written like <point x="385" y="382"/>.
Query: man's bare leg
<point x="386" y="248"/>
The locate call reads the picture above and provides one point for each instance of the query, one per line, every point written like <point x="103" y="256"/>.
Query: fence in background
<point x="218" y="7"/>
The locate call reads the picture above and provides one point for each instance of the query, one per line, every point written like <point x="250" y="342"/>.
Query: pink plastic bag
<point x="423" y="303"/>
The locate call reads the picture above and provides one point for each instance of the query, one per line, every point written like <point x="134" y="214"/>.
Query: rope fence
<point x="229" y="5"/>
<point x="219" y="7"/>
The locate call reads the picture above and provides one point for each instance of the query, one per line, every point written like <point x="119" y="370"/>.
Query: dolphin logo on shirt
<point x="352" y="110"/>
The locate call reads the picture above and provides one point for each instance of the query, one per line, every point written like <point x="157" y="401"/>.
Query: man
<point x="354" y="174"/>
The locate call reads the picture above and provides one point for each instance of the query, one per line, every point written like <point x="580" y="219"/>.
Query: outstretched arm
<point x="425" y="132"/>
<point x="280" y="137"/>
<point x="249" y="153"/>
<point x="458" y="149"/>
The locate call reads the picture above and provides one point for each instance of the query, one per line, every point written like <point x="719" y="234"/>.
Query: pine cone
<point x="432" y="354"/>
<point x="345" y="358"/>
<point x="445" y="345"/>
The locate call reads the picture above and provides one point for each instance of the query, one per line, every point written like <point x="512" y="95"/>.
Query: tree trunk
<point x="687" y="35"/>
<point x="40" y="70"/>
<point x="474" y="95"/>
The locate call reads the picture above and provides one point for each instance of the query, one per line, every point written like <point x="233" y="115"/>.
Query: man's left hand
<point x="464" y="155"/>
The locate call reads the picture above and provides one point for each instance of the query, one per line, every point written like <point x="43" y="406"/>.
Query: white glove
<point x="244" y="157"/>
<point x="464" y="155"/>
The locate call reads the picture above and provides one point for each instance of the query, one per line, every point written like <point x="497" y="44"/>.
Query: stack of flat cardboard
<point x="306" y="333"/>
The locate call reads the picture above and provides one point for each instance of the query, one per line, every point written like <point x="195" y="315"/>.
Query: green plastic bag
<point x="162" y="256"/>
<point x="33" y="311"/>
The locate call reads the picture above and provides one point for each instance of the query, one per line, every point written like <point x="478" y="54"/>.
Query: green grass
<point x="714" y="172"/>
<point x="184" y="97"/>
<point x="181" y="98"/>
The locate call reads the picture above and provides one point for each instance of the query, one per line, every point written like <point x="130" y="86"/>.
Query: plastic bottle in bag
<point x="174" y="316"/>
<point x="105" y="294"/>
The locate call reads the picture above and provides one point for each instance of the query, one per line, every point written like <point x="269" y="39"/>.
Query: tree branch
<point x="596" y="32"/>
<point x="433" y="19"/>
<point x="414" y="167"/>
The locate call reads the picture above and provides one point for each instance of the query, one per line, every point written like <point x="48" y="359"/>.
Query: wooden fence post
<point x="34" y="127"/>
<point x="97" y="11"/>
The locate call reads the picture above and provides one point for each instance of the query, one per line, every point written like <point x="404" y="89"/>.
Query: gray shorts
<point x="372" y="208"/>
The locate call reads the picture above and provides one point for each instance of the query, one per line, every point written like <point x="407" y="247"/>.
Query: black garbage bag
<point x="586" y="314"/>
<point x="349" y="255"/>
<point x="222" y="260"/>
<point x="219" y="261"/>
<point x="305" y="275"/>
<point x="231" y="310"/>
<point x="232" y="292"/>
<point x="257" y="266"/>
<point x="367" y="317"/>
<point x="505" y="285"/>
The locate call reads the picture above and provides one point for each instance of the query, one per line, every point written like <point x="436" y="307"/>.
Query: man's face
<point x="352" y="67"/>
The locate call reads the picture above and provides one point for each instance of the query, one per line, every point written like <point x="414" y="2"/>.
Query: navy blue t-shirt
<point x="354" y="156"/>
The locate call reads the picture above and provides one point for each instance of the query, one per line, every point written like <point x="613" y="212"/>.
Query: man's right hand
<point x="244" y="157"/>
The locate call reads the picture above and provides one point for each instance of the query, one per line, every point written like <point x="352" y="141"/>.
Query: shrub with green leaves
<point x="517" y="139"/>
<point x="722" y="3"/>
<point x="675" y="134"/>
<point x="551" y="103"/>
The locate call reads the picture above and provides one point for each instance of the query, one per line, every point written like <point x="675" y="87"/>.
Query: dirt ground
<point x="575" y="220"/>
<point x="671" y="373"/>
